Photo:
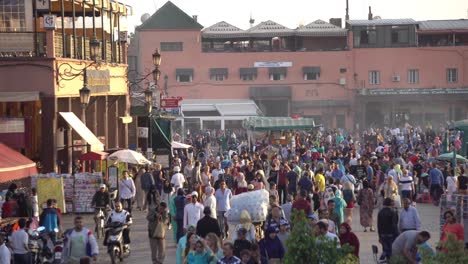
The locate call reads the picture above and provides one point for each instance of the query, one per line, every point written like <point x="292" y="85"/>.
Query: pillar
<point x="50" y="47"/>
<point x="48" y="134"/>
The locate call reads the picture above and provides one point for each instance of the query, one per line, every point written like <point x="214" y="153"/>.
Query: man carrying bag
<point x="157" y="218"/>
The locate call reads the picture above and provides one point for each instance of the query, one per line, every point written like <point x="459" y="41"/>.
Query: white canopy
<point x="178" y="145"/>
<point x="128" y="156"/>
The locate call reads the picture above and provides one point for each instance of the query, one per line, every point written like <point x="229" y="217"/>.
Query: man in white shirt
<point x="5" y="255"/>
<point x="119" y="215"/>
<point x="193" y="211"/>
<point x="223" y="204"/>
<point x="76" y="242"/>
<point x="19" y="244"/>
<point x="217" y="171"/>
<point x="178" y="178"/>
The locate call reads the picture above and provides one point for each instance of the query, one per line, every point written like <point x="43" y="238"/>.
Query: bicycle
<point x="99" y="220"/>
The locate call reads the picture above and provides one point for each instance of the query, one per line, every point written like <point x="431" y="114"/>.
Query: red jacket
<point x="302" y="204"/>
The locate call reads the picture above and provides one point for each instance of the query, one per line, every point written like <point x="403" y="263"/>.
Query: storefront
<point x="418" y="107"/>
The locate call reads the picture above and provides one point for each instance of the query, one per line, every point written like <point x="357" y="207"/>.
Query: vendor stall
<point x="14" y="166"/>
<point x="275" y="130"/>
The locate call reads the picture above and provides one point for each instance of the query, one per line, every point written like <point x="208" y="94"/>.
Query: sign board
<point x="123" y="36"/>
<point x="50" y="22"/>
<point x="414" y="91"/>
<point x="12" y="125"/>
<point x="43" y="5"/>
<point x="272" y="64"/>
<point x="142" y="132"/>
<point x="98" y="80"/>
<point x="170" y="103"/>
<point x="77" y="145"/>
<point x="113" y="177"/>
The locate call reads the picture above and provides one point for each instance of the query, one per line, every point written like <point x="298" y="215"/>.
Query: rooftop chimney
<point x="370" y="16"/>
<point x="336" y="22"/>
<point x="195" y="17"/>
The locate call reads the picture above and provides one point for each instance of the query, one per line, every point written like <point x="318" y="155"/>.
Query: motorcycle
<point x="116" y="248"/>
<point x="40" y="245"/>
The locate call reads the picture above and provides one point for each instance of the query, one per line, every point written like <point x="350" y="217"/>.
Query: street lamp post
<point x="149" y="97"/>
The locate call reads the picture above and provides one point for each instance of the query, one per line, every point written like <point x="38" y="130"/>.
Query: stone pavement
<point x="141" y="253"/>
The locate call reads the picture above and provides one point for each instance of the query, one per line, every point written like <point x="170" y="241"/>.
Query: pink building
<point x="373" y="72"/>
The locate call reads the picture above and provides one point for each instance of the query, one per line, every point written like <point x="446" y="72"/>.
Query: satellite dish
<point x="144" y="17"/>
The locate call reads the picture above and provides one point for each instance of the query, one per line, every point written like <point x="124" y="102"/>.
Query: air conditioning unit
<point x="396" y="78"/>
<point x="342" y="81"/>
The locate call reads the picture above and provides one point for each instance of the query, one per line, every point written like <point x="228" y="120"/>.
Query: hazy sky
<point x="291" y="13"/>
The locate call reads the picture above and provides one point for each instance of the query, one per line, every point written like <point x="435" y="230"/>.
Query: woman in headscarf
<point x="271" y="247"/>
<point x="340" y="204"/>
<point x="241" y="184"/>
<point x="366" y="206"/>
<point x="210" y="200"/>
<point x="349" y="238"/>
<point x="389" y="188"/>
<point x="245" y="221"/>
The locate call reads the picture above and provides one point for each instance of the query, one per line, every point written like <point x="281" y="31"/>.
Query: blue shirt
<point x="436" y="176"/>
<point x="409" y="219"/>
<point x="337" y="174"/>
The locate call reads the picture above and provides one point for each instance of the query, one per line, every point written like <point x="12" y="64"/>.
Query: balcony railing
<point x="111" y="49"/>
<point x="22" y="44"/>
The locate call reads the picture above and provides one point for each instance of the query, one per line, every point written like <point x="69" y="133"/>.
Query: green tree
<point x="303" y="246"/>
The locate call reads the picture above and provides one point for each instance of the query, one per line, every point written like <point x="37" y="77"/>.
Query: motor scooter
<point x="44" y="249"/>
<point x="116" y="248"/>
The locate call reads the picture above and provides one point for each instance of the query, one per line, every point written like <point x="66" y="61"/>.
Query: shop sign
<point x="173" y="111"/>
<point x="77" y="145"/>
<point x="50" y="22"/>
<point x="143" y="132"/>
<point x="11" y="125"/>
<point x="414" y="91"/>
<point x="170" y="103"/>
<point x="98" y="80"/>
<point x="43" y="5"/>
<point x="272" y="64"/>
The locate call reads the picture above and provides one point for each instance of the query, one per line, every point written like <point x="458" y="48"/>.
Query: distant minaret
<point x="347" y="11"/>
<point x="251" y="21"/>
<point x="370" y="16"/>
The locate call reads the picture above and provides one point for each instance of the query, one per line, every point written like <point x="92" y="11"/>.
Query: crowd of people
<point x="324" y="174"/>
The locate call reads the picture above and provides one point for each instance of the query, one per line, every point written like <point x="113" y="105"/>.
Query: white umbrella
<point x="128" y="156"/>
<point x="178" y="145"/>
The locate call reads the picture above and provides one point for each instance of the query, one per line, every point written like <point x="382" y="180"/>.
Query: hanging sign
<point x="50" y="22"/>
<point x="43" y="5"/>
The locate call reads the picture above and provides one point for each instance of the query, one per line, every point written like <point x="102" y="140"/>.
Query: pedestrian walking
<point x="366" y="206"/>
<point x="223" y="202"/>
<point x="147" y="183"/>
<point x="79" y="242"/>
<point x="19" y="244"/>
<point x="157" y="218"/>
<point x="387" y="227"/>
<point x="127" y="191"/>
<point x="409" y="217"/>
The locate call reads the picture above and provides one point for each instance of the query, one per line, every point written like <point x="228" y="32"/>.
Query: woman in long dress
<point x="366" y="206"/>
<point x="140" y="194"/>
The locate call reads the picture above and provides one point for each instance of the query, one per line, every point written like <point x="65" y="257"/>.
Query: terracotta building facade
<point x="382" y="72"/>
<point x="45" y="53"/>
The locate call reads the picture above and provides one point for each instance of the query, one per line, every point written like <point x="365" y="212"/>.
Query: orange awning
<point x="13" y="165"/>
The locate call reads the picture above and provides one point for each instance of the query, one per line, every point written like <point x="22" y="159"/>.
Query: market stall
<point x="275" y="130"/>
<point x="14" y="166"/>
<point x="94" y="156"/>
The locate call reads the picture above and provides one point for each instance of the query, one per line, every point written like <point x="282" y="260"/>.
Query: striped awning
<point x="278" y="70"/>
<point x="253" y="71"/>
<point x="311" y="69"/>
<point x="219" y="71"/>
<point x="184" y="71"/>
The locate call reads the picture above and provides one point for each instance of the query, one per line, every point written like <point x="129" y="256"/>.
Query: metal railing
<point x="22" y="44"/>
<point x="82" y="51"/>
